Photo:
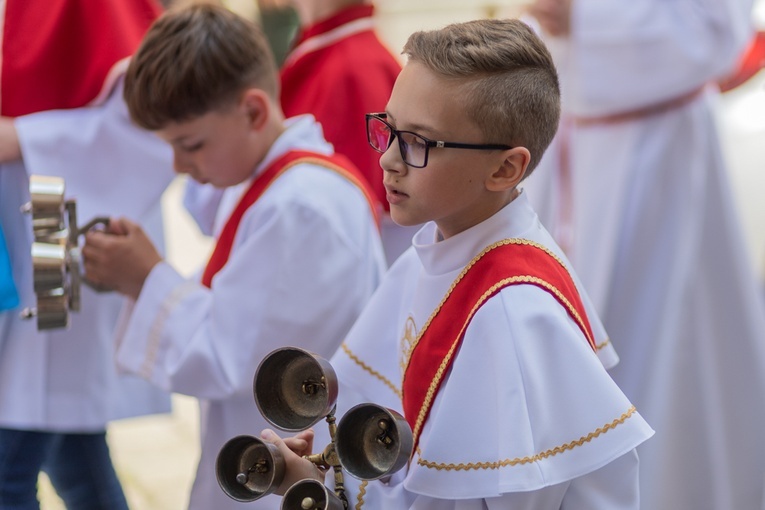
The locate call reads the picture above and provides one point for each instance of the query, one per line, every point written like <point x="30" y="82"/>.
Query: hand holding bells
<point x="55" y="252"/>
<point x="294" y="389"/>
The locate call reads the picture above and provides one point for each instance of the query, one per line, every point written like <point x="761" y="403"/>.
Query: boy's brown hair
<point x="511" y="90"/>
<point x="194" y="60"/>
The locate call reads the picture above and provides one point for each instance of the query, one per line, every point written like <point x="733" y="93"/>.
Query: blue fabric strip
<point x="9" y="297"/>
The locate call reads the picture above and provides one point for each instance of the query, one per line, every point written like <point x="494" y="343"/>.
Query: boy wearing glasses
<point x="480" y="334"/>
<point x="298" y="252"/>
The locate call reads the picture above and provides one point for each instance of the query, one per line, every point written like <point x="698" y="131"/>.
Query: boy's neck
<point x="312" y="11"/>
<point x="494" y="207"/>
<point x="274" y="130"/>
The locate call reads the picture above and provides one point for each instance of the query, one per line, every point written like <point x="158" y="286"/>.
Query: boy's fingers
<point x="271" y="436"/>
<point x="117" y="226"/>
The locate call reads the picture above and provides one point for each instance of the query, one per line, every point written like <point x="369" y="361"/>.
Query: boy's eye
<point x="192" y="148"/>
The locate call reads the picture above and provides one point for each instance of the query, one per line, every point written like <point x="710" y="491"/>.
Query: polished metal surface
<point x="49" y="265"/>
<point x="46" y="203"/>
<point x="310" y="495"/>
<point x="55" y="252"/>
<point x="373" y="441"/>
<point x="294" y="389"/>
<point x="248" y="468"/>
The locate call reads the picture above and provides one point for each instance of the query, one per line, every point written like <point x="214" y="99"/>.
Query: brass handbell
<point x="373" y="441"/>
<point x="47" y="204"/>
<point x="55" y="252"/>
<point x="310" y="494"/>
<point x="248" y="468"/>
<point x="294" y="389"/>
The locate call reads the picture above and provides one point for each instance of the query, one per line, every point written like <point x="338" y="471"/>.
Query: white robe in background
<point x="306" y="258"/>
<point x="652" y="232"/>
<point x="65" y="380"/>
<point x="524" y="383"/>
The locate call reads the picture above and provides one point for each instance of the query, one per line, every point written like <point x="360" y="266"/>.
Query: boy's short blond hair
<point x="511" y="90"/>
<point x="194" y="60"/>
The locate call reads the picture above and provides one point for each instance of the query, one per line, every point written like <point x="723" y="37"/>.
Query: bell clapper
<point x="260" y="466"/>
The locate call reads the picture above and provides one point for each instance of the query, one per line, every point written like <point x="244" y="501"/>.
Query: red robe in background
<point x="59" y="53"/>
<point x="338" y="71"/>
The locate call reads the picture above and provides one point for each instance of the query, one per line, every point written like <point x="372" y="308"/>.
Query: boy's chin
<point x="403" y="221"/>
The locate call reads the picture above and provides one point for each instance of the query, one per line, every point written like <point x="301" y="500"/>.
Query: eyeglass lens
<point x="413" y="147"/>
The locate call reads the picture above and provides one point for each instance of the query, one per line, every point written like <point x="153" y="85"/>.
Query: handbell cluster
<point x="55" y="252"/>
<point x="295" y="389"/>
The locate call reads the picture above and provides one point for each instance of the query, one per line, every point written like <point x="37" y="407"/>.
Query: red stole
<point x="260" y="184"/>
<point x="509" y="262"/>
<point x="749" y="64"/>
<point x="58" y="53"/>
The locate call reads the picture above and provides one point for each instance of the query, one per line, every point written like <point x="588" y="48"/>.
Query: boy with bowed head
<point x="480" y="334"/>
<point x="298" y="251"/>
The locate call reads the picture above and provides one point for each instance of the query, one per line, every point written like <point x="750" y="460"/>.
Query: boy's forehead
<point x="422" y="97"/>
<point x="177" y="131"/>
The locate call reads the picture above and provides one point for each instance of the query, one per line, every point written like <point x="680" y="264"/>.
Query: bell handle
<point x="77" y="232"/>
<point x="98" y="220"/>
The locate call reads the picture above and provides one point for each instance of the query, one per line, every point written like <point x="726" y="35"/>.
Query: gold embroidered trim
<point x="603" y="345"/>
<point x="157" y="326"/>
<point x="408" y="354"/>
<point x="329" y="165"/>
<point x="431" y="393"/>
<point x="362" y="492"/>
<point x="370" y="370"/>
<point x="527" y="460"/>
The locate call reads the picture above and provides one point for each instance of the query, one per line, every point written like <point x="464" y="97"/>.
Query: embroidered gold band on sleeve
<point x="441" y="466"/>
<point x="374" y="373"/>
<point x="155" y="331"/>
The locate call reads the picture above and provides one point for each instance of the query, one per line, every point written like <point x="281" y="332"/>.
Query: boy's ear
<point x="256" y="106"/>
<point x="511" y="169"/>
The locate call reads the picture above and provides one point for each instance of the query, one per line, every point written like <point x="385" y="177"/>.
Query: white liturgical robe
<point x="65" y="380"/>
<point x="527" y="417"/>
<point x="306" y="258"/>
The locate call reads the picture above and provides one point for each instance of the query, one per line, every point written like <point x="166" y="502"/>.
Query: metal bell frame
<point x="294" y="389"/>
<point x="55" y="252"/>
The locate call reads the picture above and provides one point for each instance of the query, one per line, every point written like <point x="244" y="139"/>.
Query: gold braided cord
<point x="470" y="466"/>
<point x="434" y="384"/>
<point x="329" y="166"/>
<point x="362" y="492"/>
<point x="370" y="370"/>
<point x="408" y="354"/>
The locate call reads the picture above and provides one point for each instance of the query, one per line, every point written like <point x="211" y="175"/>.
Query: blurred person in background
<point x="280" y="23"/>
<point x="638" y="196"/>
<point x="63" y="115"/>
<point x="339" y="70"/>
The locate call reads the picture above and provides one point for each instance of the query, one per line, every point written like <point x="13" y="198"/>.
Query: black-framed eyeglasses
<point x="414" y="148"/>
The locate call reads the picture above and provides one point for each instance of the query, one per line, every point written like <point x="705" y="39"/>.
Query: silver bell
<point x="373" y="441"/>
<point x="248" y="468"/>
<point x="294" y="389"/>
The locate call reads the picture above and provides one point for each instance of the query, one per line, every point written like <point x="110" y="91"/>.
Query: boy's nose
<point x="391" y="160"/>
<point x="180" y="164"/>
